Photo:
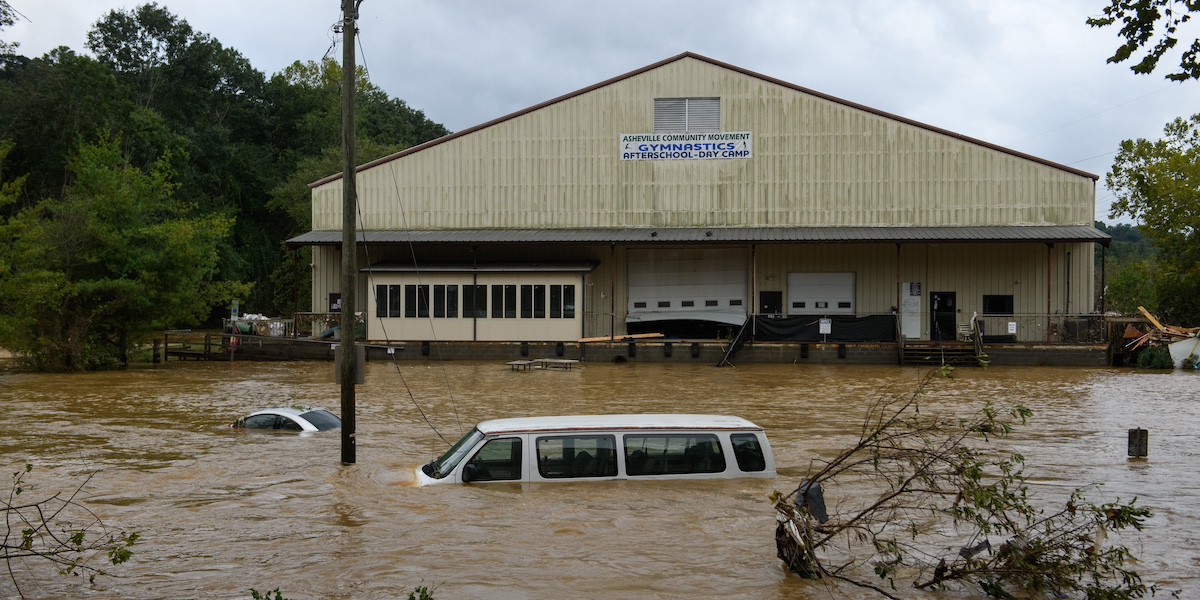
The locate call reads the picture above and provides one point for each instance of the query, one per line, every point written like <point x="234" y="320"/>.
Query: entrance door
<point x="945" y="320"/>
<point x="770" y="303"/>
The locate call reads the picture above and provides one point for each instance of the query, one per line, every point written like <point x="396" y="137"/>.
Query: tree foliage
<point x="89" y="277"/>
<point x="1157" y="183"/>
<point x="1153" y="28"/>
<point x="938" y="505"/>
<point x="1131" y="269"/>
<point x="8" y="16"/>
<point x="235" y="138"/>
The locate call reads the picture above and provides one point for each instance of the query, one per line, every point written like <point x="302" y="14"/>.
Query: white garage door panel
<point x="662" y="284"/>
<point x="820" y="293"/>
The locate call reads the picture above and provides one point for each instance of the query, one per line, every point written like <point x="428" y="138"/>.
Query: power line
<point x="1094" y="114"/>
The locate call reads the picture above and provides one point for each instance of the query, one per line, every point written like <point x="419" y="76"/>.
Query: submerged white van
<point x="604" y="447"/>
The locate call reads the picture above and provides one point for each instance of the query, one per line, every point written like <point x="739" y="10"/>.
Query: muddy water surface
<point x="222" y="511"/>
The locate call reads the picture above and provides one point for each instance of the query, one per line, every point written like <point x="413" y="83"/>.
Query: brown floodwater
<point x="222" y="511"/>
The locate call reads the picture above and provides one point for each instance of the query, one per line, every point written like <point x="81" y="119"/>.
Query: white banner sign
<point x="686" y="146"/>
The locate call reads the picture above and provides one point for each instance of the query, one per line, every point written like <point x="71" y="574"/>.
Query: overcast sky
<point x="1026" y="74"/>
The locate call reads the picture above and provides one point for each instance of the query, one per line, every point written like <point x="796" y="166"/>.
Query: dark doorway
<point x="945" y="320"/>
<point x="770" y="303"/>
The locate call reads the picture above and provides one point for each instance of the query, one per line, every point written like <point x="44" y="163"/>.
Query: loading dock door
<point x="688" y="283"/>
<point x="820" y="293"/>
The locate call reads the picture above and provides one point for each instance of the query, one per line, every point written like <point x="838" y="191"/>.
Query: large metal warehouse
<point x="687" y="197"/>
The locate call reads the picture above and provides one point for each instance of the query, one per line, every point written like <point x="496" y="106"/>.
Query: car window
<point x="667" y="454"/>
<point x="323" y="420"/>
<point x="287" y="423"/>
<point x="499" y="459"/>
<point x="260" y="422"/>
<point x="748" y="452"/>
<point x="577" y="456"/>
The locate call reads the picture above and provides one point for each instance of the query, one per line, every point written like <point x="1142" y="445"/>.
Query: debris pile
<point x="1183" y="342"/>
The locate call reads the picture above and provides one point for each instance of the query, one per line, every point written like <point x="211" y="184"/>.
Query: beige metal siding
<point x="327" y="275"/>
<point x="971" y="271"/>
<point x="816" y="162"/>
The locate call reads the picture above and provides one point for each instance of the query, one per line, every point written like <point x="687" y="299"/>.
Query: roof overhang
<point x="571" y="267"/>
<point x="724" y="235"/>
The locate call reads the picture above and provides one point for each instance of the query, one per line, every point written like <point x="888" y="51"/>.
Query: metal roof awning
<point x="572" y="267"/>
<point x="722" y="235"/>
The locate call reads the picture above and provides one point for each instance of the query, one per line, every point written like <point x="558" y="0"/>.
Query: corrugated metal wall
<point x="816" y="163"/>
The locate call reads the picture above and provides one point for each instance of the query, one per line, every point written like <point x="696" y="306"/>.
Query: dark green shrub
<point x="1155" y="357"/>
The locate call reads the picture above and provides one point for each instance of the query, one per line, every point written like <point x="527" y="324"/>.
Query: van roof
<point x="606" y="422"/>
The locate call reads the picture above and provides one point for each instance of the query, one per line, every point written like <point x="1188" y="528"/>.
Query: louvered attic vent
<point x="699" y="115"/>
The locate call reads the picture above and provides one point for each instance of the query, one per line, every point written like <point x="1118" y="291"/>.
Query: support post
<point x="1049" y="280"/>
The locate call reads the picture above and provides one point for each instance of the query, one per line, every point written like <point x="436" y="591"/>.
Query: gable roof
<point x="723" y="65"/>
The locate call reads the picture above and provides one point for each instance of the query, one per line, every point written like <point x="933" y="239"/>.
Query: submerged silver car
<point x="305" y="418"/>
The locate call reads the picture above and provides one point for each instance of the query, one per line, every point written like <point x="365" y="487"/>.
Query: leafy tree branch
<point x="1153" y="28"/>
<point x="58" y="530"/>
<point x="943" y="506"/>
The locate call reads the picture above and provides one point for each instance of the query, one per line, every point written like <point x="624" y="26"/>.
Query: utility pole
<point x="349" y="324"/>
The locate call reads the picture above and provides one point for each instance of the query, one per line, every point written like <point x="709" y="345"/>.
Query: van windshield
<point x="446" y="463"/>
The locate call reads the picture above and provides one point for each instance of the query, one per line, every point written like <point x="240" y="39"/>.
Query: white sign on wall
<point x="686" y="146"/>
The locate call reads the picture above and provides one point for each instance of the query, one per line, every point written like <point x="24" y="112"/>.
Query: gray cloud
<point x="1025" y="74"/>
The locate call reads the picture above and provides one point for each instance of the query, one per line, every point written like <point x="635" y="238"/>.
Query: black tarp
<point x="843" y="328"/>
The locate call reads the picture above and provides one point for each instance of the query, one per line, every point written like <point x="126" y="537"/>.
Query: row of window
<point x="687" y="303"/>
<point x="415" y="301"/>
<point x="560" y="457"/>
<point x="820" y="305"/>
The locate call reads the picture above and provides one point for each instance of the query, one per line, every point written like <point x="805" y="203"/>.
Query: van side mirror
<point x="468" y="473"/>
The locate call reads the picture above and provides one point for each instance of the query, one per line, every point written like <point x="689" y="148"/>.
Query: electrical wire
<point x="417" y="270"/>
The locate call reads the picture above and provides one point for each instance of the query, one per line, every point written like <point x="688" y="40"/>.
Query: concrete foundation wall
<point x="711" y="353"/>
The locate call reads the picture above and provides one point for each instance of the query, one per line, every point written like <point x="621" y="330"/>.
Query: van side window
<point x="499" y="459"/>
<point x="666" y="454"/>
<point x="748" y="452"/>
<point x="577" y="456"/>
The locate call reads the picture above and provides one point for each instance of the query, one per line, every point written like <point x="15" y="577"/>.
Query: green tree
<point x="1157" y="183"/>
<point x="1131" y="269"/>
<point x="311" y="93"/>
<point x="234" y="137"/>
<point x="86" y="279"/>
<point x="292" y="279"/>
<point x="8" y="16"/>
<point x="1152" y="27"/>
<point x="50" y="105"/>
<point x="213" y="99"/>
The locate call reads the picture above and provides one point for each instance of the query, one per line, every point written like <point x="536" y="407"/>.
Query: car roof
<point x="285" y="410"/>
<point x="610" y="422"/>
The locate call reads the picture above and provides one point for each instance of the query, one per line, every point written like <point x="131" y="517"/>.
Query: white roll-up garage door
<point x="688" y="283"/>
<point x="821" y="294"/>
